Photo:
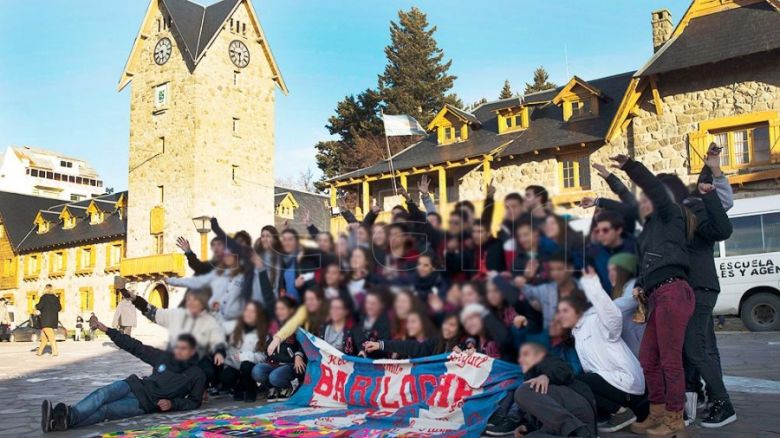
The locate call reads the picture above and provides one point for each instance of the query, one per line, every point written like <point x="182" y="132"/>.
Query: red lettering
<point x="383" y="400"/>
<point x="427" y="381"/>
<point x="375" y="392"/>
<point x="360" y="385"/>
<point x="341" y="380"/>
<point x="442" y="392"/>
<point x="409" y="388"/>
<point x="325" y="385"/>
<point x="462" y="390"/>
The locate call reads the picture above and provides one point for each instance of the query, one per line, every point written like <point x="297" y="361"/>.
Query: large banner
<point x="444" y="395"/>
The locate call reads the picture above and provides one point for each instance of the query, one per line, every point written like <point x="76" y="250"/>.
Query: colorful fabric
<point x="444" y="395"/>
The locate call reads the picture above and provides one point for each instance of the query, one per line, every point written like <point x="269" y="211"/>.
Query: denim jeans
<point x="276" y="377"/>
<point x="661" y="352"/>
<point x="699" y="343"/>
<point x="110" y="402"/>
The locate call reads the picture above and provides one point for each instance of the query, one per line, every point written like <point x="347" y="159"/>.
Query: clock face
<point x="239" y="53"/>
<point x="162" y="51"/>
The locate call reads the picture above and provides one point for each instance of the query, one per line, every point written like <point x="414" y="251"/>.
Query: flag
<point x="402" y="125"/>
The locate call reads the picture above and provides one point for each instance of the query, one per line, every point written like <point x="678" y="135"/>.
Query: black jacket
<point x="49" y="306"/>
<point x="663" y="247"/>
<point x="378" y="331"/>
<point x="183" y="383"/>
<point x="712" y="225"/>
<point x="517" y="300"/>
<point x="412" y="348"/>
<point x="198" y="266"/>
<point x="627" y="207"/>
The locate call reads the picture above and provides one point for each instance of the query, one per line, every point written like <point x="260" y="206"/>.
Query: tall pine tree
<point x="506" y="91"/>
<point x="416" y="78"/>
<point x="541" y="81"/>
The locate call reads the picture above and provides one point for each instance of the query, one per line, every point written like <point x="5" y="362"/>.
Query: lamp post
<point x="203" y="226"/>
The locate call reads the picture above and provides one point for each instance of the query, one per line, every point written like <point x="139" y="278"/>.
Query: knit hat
<point x="471" y="309"/>
<point x="625" y="261"/>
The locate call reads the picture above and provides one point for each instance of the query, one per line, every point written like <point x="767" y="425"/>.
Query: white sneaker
<point x="691" y="403"/>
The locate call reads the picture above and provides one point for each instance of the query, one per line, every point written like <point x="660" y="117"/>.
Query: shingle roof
<point x="547" y="130"/>
<point x="717" y="37"/>
<point x="19" y="212"/>
<point x="316" y="204"/>
<point x="197" y="25"/>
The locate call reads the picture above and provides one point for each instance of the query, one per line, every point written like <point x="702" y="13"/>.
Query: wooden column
<point x="487" y="172"/>
<point x="366" y="198"/>
<point x="402" y="178"/>
<point x="442" y="191"/>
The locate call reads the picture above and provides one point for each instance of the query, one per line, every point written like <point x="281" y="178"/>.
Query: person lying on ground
<point x="176" y="384"/>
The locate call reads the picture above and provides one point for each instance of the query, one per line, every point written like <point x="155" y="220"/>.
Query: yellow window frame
<point x="32" y="265"/>
<point x="731" y="146"/>
<point x="60" y="293"/>
<point x="53" y="256"/>
<point x="32" y="300"/>
<point x="82" y="268"/>
<point x="116" y="297"/>
<point x="86" y="299"/>
<point x="111" y="264"/>
<point x="575" y="168"/>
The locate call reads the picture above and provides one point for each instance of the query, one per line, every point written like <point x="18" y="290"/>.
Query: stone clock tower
<point x="203" y="83"/>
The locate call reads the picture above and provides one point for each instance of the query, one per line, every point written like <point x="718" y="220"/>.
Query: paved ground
<point x="751" y="362"/>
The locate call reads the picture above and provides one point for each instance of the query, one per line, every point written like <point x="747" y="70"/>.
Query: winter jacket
<point x="124" y="315"/>
<point x="208" y="332"/>
<point x="521" y="304"/>
<point x="663" y="248"/>
<point x="226" y="289"/>
<point x="371" y="331"/>
<point x="712" y="226"/>
<point x="49" y="306"/>
<point x="411" y="348"/>
<point x="546" y="294"/>
<point x="244" y="351"/>
<point x="198" y="266"/>
<point x="627" y="207"/>
<point x="183" y="383"/>
<point x="599" y="344"/>
<point x="341" y="340"/>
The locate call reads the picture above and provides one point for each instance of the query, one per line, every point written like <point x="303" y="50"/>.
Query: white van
<point x="748" y="264"/>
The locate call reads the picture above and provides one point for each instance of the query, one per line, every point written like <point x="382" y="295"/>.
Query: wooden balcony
<point x="154" y="266"/>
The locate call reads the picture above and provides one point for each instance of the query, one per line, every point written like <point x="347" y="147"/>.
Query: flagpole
<point x="389" y="154"/>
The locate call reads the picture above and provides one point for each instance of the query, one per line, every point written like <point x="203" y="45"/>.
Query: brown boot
<point x="655" y="418"/>
<point x="673" y="426"/>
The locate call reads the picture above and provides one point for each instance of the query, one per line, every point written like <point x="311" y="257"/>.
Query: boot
<point x="655" y="418"/>
<point x="673" y="426"/>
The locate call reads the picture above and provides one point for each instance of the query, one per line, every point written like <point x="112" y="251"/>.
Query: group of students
<point x="611" y="329"/>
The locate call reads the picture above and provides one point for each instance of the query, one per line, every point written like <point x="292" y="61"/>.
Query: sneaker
<point x="686" y="419"/>
<point x="505" y="427"/>
<point x="618" y="421"/>
<point x="720" y="414"/>
<point x="272" y="394"/>
<point x="284" y="394"/>
<point x="60" y="417"/>
<point x="691" y="404"/>
<point x="46" y="414"/>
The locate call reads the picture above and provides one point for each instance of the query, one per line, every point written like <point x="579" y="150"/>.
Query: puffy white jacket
<point x="599" y="344"/>
<point x="244" y="351"/>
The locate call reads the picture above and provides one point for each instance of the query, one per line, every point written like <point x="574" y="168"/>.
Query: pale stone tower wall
<point x="205" y="167"/>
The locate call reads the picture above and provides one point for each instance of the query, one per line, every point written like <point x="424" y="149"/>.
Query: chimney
<point x="661" y="22"/>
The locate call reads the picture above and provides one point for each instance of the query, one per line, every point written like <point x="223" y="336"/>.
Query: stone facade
<point x="210" y="149"/>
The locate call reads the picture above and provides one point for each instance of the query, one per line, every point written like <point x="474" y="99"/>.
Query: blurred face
<point x="182" y="351"/>
<point x="424" y="266"/>
<point x="243" y="241"/>
<point x="395" y="237"/>
<point x="332" y="276"/>
<point x="526" y="237"/>
<point x="556" y="330"/>
<point x="282" y="312"/>
<point x="230" y="260"/>
<point x="558" y="272"/>
<point x="311" y="301"/>
<point x="473" y="324"/>
<point x="337" y="311"/>
<point x="217" y="248"/>
<point x="456" y="224"/>
<point x="480" y="234"/>
<point x="402" y="305"/>
<point x="470" y="295"/>
<point x="493" y="295"/>
<point x="372" y="306"/>
<point x="551" y="228"/>
<point x="362" y="235"/>
<point x="289" y="244"/>
<point x="566" y="315"/>
<point x="612" y="270"/>
<point x="414" y="326"/>
<point x="342" y="247"/>
<point x="378" y="235"/>
<point x="607" y="234"/>
<point x="512" y="209"/>
<point x="396" y="212"/>
<point x="529" y="357"/>
<point x="645" y="206"/>
<point x="250" y="315"/>
<point x="531" y="200"/>
<point x="454" y="295"/>
<point x="357" y="261"/>
<point x="449" y="328"/>
<point x="323" y="242"/>
<point x="266" y="239"/>
<point x="193" y="305"/>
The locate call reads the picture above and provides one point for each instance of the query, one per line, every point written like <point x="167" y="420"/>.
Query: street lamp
<point x="203" y="227"/>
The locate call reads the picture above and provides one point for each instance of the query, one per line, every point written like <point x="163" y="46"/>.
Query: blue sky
<point x="60" y="61"/>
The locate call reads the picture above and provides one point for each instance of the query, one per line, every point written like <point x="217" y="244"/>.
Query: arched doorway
<point x="158" y="297"/>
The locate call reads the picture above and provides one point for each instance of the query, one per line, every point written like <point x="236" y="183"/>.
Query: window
<point x="66" y="164"/>
<point x="161" y="96"/>
<point x="162" y="145"/>
<point x="574" y="172"/>
<point x="60" y="294"/>
<point x="32" y="265"/>
<point x="234" y="170"/>
<point x="754" y="235"/>
<point x="32" y="300"/>
<point x="160" y="194"/>
<point x="580" y="108"/>
<point x="85" y="259"/>
<point x="87" y="300"/>
<point x="158" y="244"/>
<point x="113" y="255"/>
<point x="743" y="146"/>
<point x="236" y="75"/>
<point x="58" y="263"/>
